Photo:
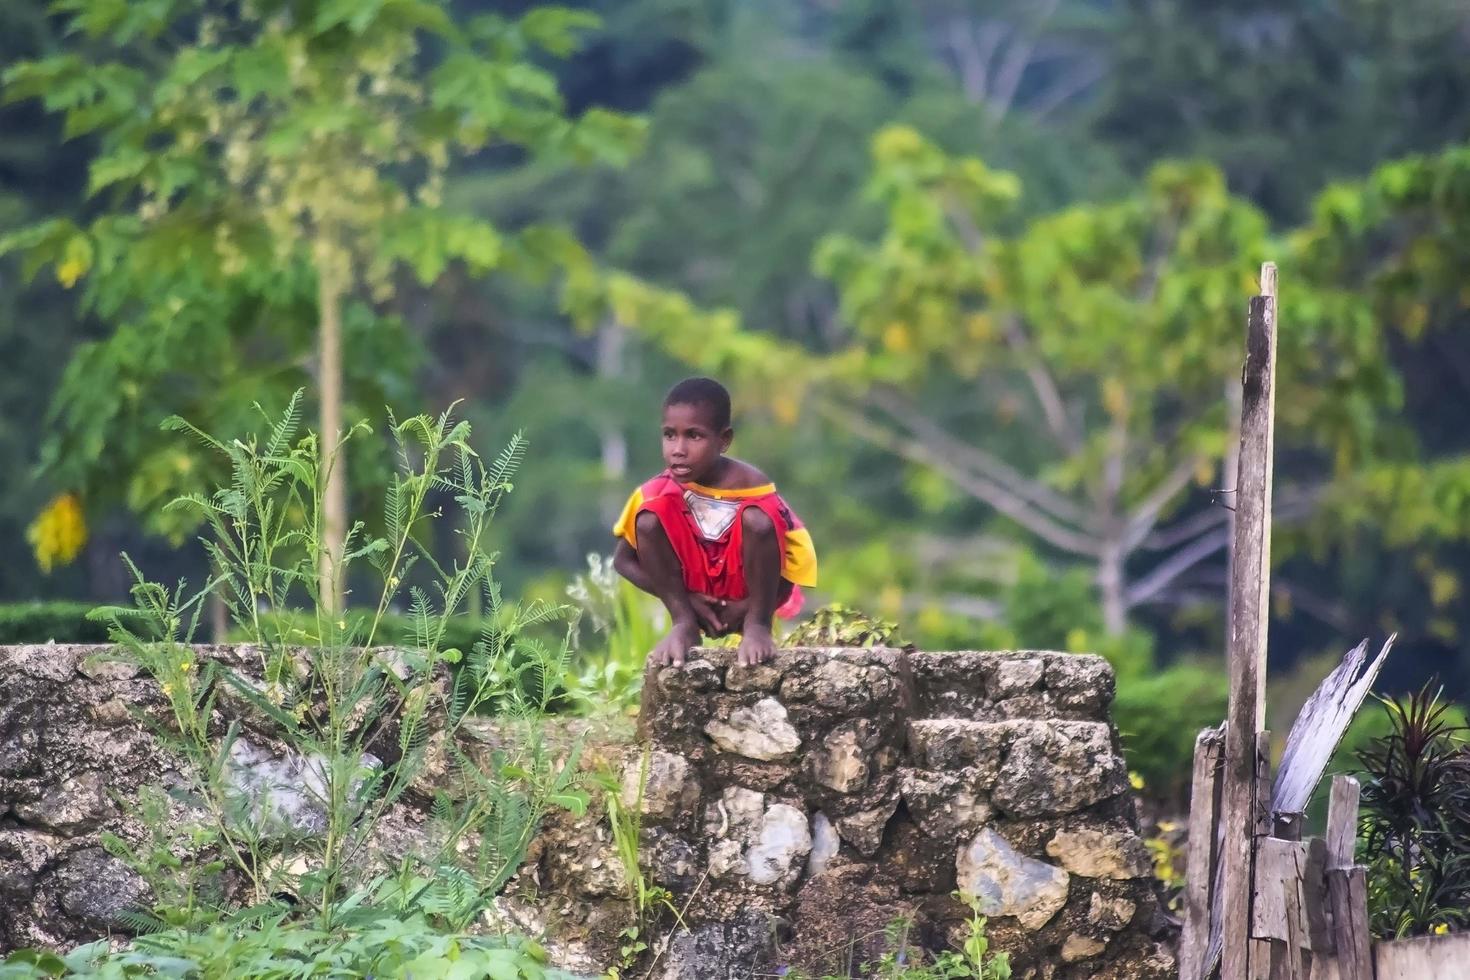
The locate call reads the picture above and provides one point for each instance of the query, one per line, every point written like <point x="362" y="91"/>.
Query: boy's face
<point x="692" y="444"/>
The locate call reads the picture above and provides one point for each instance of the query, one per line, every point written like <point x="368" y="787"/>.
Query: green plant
<point x="1414" y="821"/>
<point x="647" y="900"/>
<point x="837" y="625"/>
<point x="364" y="723"/>
<point x="625" y="624"/>
<point x="267" y="943"/>
<point x="902" y="960"/>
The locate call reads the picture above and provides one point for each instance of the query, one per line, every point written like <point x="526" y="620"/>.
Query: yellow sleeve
<point x="627" y="523"/>
<point x="800" y="564"/>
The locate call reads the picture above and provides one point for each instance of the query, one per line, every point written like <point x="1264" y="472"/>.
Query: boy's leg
<point x="760" y="555"/>
<point x="666" y="578"/>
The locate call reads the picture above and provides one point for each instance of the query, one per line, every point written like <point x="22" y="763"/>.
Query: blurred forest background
<point x="976" y="271"/>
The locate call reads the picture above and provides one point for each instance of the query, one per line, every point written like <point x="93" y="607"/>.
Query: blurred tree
<point x="1286" y="97"/>
<point x="252" y="155"/>
<point x="1073" y="377"/>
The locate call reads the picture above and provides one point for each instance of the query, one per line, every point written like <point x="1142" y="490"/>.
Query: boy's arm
<point x="625" y="563"/>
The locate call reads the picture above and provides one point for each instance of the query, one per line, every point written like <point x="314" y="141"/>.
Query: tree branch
<point x="1176" y="565"/>
<point x="988" y="466"/>
<point x="1002" y="499"/>
<point x="1146" y="515"/>
<point x="1048" y="395"/>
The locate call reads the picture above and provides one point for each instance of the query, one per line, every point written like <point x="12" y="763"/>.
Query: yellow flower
<point x="1135" y="780"/>
<point x="167" y="689"/>
<point x="1440" y="928"/>
<point x="186" y="666"/>
<point x="58" y="532"/>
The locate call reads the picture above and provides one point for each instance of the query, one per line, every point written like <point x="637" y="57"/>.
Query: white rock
<point x="1007" y="882"/>
<point x="825" y="844"/>
<point x="761" y="731"/>
<point x="784" y="841"/>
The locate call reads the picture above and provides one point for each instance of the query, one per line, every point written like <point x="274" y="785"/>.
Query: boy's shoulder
<point x="744" y="476"/>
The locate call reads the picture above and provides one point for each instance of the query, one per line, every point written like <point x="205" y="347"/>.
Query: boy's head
<point x="696" y="428"/>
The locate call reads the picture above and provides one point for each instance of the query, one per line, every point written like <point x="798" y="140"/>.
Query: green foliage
<point x="649" y="903"/>
<point x="836" y="625"/>
<point x="902" y="960"/>
<point x="370" y="722"/>
<point x="620" y="625"/>
<point x="265" y="942"/>
<point x="261" y="169"/>
<point x="1414" y="831"/>
<point x="40" y="622"/>
<point x="1158" y="717"/>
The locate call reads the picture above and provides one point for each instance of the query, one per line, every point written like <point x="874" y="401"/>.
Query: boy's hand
<point x="709" y="614"/>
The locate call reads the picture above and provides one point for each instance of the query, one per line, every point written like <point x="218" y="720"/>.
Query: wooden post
<point x="1200" y="873"/>
<point x="1347" y="884"/>
<point x="1250" y="576"/>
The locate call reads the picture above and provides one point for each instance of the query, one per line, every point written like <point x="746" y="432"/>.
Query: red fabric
<point x="715" y="568"/>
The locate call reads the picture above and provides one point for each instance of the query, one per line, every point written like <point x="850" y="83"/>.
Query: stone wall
<point x="796" y="809"/>
<point x="793" y="810"/>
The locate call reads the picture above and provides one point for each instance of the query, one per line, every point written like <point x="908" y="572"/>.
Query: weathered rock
<point x="1100" y="853"/>
<point x="778" y="854"/>
<point x="758" y="732"/>
<point x="284" y="793"/>
<point x="864" y="829"/>
<point x="1057" y="768"/>
<point x="753" y="677"/>
<point x="75" y="807"/>
<point x="1080" y="683"/>
<point x="944" y="804"/>
<point x="840" y="763"/>
<point x="951" y="743"/>
<point x="662" y="785"/>
<point x="1080" y="947"/>
<point x="96" y="888"/>
<point x="1016" y="676"/>
<point x="734" y="950"/>
<point x="1006" y="882"/>
<point x="1111" y="914"/>
<point x="825" y="845"/>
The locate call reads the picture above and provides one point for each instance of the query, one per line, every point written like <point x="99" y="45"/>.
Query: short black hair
<point x="705" y="392"/>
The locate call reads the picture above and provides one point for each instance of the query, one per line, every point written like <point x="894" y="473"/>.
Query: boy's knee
<point x="757" y="522"/>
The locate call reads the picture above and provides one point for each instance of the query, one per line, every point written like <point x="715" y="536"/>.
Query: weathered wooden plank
<point x="1342" y="822"/>
<point x="1249" y="591"/>
<point x="1425" y="957"/>
<point x="1204" y="815"/>
<point x="1348" y="892"/>
<point x="1314" y="898"/>
<point x="1319" y="727"/>
<point x="1278" y="866"/>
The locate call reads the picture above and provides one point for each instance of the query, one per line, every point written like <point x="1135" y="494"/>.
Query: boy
<point x="710" y="536"/>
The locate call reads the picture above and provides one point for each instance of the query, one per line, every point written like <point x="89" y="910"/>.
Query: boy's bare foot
<point x="672" y="649"/>
<point x="757" y="645"/>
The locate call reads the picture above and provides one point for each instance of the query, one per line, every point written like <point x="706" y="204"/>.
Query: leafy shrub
<point x="1159" y="716"/>
<point x="39" y="622"/>
<point x="1414" y="832"/>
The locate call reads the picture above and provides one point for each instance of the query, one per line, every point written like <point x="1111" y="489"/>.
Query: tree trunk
<point x="1111" y="589"/>
<point x="333" y="460"/>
